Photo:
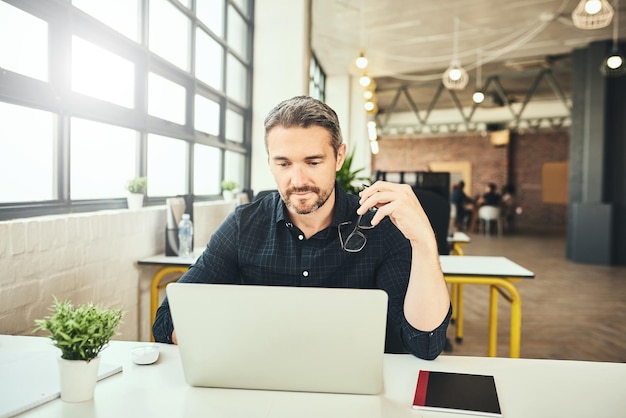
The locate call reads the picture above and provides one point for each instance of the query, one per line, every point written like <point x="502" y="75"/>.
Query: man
<point x="461" y="202"/>
<point x="491" y="196"/>
<point x="311" y="233"/>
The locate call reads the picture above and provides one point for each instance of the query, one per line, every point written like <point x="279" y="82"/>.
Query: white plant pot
<point x="135" y="201"/>
<point x="77" y="379"/>
<point x="228" y="195"/>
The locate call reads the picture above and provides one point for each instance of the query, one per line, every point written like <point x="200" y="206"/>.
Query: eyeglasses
<point x="356" y="240"/>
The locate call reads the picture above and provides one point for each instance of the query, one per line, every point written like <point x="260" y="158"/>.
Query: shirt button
<point x="300" y="237"/>
<point x="305" y="273"/>
<point x="289" y="225"/>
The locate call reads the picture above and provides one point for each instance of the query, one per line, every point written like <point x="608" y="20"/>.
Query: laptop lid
<point x="280" y="338"/>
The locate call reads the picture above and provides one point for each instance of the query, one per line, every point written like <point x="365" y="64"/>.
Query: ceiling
<point x="410" y="43"/>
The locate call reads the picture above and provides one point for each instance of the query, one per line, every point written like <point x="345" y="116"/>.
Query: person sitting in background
<point x="312" y="233"/>
<point x="491" y="196"/>
<point x="463" y="204"/>
<point x="508" y="206"/>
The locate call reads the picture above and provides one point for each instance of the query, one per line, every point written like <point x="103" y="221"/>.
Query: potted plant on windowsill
<point x="228" y="189"/>
<point x="137" y="188"/>
<point x="80" y="333"/>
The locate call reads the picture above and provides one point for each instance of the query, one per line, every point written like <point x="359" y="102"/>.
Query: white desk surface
<point x="526" y="388"/>
<point x="171" y="260"/>
<point x="459" y="237"/>
<point x="474" y="265"/>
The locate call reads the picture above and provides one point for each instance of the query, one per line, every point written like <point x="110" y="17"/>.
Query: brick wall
<point x="88" y="257"/>
<point x="521" y="161"/>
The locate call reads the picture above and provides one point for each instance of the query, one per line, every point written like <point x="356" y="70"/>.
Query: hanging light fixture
<point x="614" y="65"/>
<point x="478" y="95"/>
<point x="592" y="14"/>
<point x="455" y="77"/>
<point x="361" y="61"/>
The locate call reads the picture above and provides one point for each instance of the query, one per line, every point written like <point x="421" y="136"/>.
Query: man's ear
<point x="341" y="156"/>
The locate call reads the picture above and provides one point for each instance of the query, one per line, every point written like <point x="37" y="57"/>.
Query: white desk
<point x="526" y="388"/>
<point x="498" y="273"/>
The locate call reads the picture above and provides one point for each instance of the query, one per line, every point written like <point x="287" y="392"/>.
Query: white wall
<point x="88" y="257"/>
<point x="281" y="68"/>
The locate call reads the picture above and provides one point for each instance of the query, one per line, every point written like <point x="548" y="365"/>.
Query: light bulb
<point x="614" y="62"/>
<point x="361" y="62"/>
<point x="369" y="106"/>
<point x="593" y="6"/>
<point x="374" y="147"/>
<point x="368" y="94"/>
<point x="478" y="97"/>
<point x="365" y="81"/>
<point x="455" y="74"/>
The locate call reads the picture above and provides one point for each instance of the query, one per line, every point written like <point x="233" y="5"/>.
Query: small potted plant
<point x="80" y="332"/>
<point x="228" y="189"/>
<point x="137" y="188"/>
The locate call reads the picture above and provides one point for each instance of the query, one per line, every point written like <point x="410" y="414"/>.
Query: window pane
<point x="167" y="168"/>
<point x="26" y="154"/>
<point x="121" y="15"/>
<point x="169" y="33"/>
<point x="207" y="169"/>
<point x="99" y="73"/>
<point x="166" y="99"/>
<point x="211" y="13"/>
<point x="209" y="60"/>
<point x="234" y="167"/>
<point x="102" y="159"/>
<point x="237" y="86"/>
<point x="237" y="33"/>
<point x="23" y="43"/>
<point x="234" y="126"/>
<point x="207" y="116"/>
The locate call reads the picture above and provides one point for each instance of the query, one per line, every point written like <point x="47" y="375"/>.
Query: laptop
<point x="280" y="338"/>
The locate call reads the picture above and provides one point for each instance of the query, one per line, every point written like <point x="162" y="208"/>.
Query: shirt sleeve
<point x="426" y="345"/>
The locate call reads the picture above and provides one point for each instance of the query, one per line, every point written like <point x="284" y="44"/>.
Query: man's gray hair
<point x="304" y="112"/>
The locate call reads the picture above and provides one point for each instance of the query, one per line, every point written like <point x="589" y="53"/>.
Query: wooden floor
<point x="570" y="311"/>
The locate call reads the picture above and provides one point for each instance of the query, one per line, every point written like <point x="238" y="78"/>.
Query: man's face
<point x="303" y="164"/>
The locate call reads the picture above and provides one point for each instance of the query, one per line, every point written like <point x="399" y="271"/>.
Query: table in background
<point x="499" y="273"/>
<point x="458" y="240"/>
<point x="526" y="388"/>
<point x="170" y="268"/>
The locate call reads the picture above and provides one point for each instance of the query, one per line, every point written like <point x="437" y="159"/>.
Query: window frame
<point x="55" y="96"/>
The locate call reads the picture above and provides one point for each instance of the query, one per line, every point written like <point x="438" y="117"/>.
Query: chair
<point x="487" y="215"/>
<point x="437" y="209"/>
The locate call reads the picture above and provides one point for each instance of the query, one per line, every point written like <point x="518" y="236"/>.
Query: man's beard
<point x="322" y="197"/>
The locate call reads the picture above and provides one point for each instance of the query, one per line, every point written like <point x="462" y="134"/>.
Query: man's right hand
<point x="174" y="339"/>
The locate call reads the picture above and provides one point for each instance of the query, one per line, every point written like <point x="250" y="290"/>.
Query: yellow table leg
<point x="459" y="314"/>
<point x="457" y="248"/>
<point x="156" y="285"/>
<point x="454" y="292"/>
<point x="493" y="321"/>
<point x="496" y="284"/>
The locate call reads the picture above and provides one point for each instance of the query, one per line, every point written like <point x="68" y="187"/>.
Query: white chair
<point x="488" y="214"/>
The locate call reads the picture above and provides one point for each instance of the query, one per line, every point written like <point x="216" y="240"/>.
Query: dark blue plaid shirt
<point x="258" y="245"/>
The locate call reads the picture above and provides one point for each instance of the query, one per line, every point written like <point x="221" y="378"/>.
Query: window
<point x="98" y="73"/>
<point x="23" y="43"/>
<point x="87" y="103"/>
<point x="317" y="80"/>
<point x="24" y="174"/>
<point x="102" y="159"/>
